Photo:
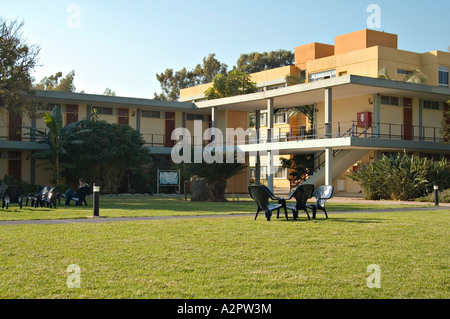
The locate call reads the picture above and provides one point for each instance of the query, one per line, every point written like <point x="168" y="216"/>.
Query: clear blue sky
<point x="123" y="44"/>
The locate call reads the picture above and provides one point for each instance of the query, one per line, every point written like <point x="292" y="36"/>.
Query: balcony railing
<point x="293" y="133"/>
<point x="349" y="129"/>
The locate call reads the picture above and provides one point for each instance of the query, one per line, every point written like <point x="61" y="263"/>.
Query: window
<point x="403" y="72"/>
<point x="389" y="100"/>
<point x="192" y="117"/>
<point x="433" y="105"/>
<point x="443" y="76"/>
<point x="152" y="114"/>
<point x="103" y="110"/>
<point x="281" y="173"/>
<point x="280" y="118"/>
<point x="263" y="119"/>
<point x="322" y="75"/>
<point x="47" y="106"/>
<point x="71" y="113"/>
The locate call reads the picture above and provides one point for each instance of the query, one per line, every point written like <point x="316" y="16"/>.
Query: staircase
<point x="341" y="161"/>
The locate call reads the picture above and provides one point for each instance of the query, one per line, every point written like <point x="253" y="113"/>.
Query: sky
<point x="122" y="44"/>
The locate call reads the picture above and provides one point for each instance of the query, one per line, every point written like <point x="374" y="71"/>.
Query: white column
<point x="258" y="159"/>
<point x="376" y="120"/>
<point x="269" y="139"/>
<point x="214" y="116"/>
<point x="328" y="112"/>
<point x="328" y="166"/>
<point x="328" y="134"/>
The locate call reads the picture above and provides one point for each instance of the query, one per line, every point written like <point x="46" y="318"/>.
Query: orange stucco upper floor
<point x="271" y="77"/>
<point x="364" y="52"/>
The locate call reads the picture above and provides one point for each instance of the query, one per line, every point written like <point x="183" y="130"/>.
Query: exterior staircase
<point x="342" y="160"/>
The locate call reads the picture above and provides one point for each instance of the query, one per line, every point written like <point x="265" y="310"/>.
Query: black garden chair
<point x="261" y="196"/>
<point x="13" y="194"/>
<point x="80" y="195"/>
<point x="301" y="194"/>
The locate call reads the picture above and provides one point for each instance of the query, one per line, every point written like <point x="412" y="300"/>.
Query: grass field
<point x="229" y="257"/>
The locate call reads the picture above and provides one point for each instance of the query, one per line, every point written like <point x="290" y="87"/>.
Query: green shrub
<point x="402" y="177"/>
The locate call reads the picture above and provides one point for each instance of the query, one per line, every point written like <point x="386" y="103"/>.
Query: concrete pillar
<point x="328" y="112"/>
<point x="269" y="139"/>
<point x="183" y="119"/>
<point x="328" y="166"/>
<point x="421" y="137"/>
<point x="376" y="119"/>
<point x="270" y="170"/>
<point x="214" y="116"/>
<point x="258" y="158"/>
<point x="328" y="134"/>
<point x="138" y="120"/>
<point x="269" y="120"/>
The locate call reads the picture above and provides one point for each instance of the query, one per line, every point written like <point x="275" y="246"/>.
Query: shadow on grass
<point x="339" y="220"/>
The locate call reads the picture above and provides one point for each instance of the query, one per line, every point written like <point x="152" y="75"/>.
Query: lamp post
<point x="96" y="195"/>
<point x="436" y="194"/>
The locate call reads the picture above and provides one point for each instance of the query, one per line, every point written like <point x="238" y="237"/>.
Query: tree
<point x="416" y="76"/>
<point x="57" y="138"/>
<point x="17" y="61"/>
<point x="383" y="74"/>
<point x="301" y="165"/>
<point x="173" y="81"/>
<point x="256" y="62"/>
<point x="108" y="153"/>
<point x="109" y="92"/>
<point x="445" y="131"/>
<point x="294" y="79"/>
<point x="57" y="83"/>
<point x="235" y="83"/>
<point x="206" y="72"/>
<point x="413" y="76"/>
<point x="216" y="176"/>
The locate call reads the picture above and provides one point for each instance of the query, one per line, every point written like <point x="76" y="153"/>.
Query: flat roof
<point x="106" y="100"/>
<point x="347" y="86"/>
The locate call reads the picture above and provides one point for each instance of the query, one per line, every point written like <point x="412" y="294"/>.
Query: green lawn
<point x="230" y="257"/>
<point x="139" y="205"/>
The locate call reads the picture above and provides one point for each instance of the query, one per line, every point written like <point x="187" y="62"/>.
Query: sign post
<point x="168" y="178"/>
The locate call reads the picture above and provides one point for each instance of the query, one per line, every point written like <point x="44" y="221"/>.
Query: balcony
<point x="386" y="131"/>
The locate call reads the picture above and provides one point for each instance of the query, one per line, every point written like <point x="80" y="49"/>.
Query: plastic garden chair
<point x="322" y="194"/>
<point x="301" y="194"/>
<point x="261" y="196"/>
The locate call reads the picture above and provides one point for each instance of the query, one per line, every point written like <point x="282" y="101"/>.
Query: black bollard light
<point x="436" y="194"/>
<point x="96" y="195"/>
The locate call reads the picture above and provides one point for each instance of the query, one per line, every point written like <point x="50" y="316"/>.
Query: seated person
<point x="69" y="194"/>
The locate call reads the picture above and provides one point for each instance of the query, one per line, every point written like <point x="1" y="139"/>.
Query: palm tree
<point x="382" y="74"/>
<point x="56" y="138"/>
<point x="294" y="79"/>
<point x="416" y="76"/>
